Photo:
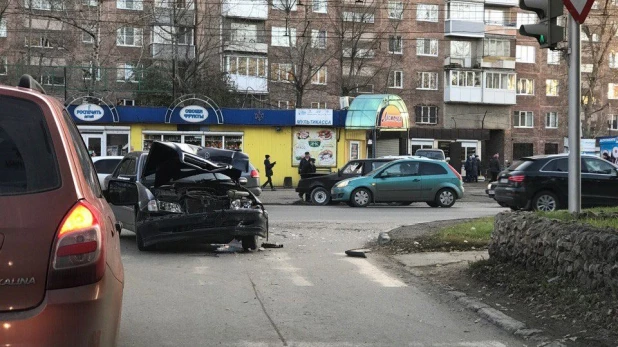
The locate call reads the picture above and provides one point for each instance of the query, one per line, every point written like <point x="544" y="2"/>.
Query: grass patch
<point x="601" y="217"/>
<point x="465" y="236"/>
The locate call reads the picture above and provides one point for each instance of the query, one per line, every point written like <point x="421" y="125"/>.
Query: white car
<point x="105" y="166"/>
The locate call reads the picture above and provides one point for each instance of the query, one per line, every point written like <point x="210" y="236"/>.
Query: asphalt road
<point x="305" y="294"/>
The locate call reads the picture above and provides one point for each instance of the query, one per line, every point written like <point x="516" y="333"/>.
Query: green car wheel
<point x="360" y="197"/>
<point x="445" y="197"/>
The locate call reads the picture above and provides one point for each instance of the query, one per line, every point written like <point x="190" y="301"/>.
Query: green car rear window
<point x="27" y="158"/>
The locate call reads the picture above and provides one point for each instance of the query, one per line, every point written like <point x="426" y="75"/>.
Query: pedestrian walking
<point x="268" y="166"/>
<point x="474" y="168"/>
<point x="494" y="167"/>
<point x="303" y="161"/>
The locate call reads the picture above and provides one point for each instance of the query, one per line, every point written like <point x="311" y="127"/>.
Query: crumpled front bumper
<point x="215" y="227"/>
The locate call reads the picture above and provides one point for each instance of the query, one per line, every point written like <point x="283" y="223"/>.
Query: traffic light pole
<point x="574" y="88"/>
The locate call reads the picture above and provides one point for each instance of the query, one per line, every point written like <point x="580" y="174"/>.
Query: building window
<point x="497" y="48"/>
<point x="521" y="150"/>
<point x="285" y="5"/>
<point x="525" y="86"/>
<point x="88" y="71"/>
<point x="3" y="30"/>
<point x="523" y="119"/>
<point x="243" y="32"/>
<point x="51" y="80"/>
<point x="551" y="87"/>
<point x="553" y="57"/>
<point x="4" y="66"/>
<point x="126" y="102"/>
<point x="364" y="89"/>
<point x="129" y="4"/>
<point x="126" y="73"/>
<point x="38" y="41"/>
<point x="426" y="114"/>
<point x="281" y="72"/>
<point x="461" y="49"/>
<point x="587" y="35"/>
<point x="318" y="39"/>
<point x="318" y="104"/>
<point x="396" y="79"/>
<point x="551" y="148"/>
<point x="613" y="121"/>
<point x="427" y="47"/>
<point x="320" y="76"/>
<point x="395" y="10"/>
<point x="526" y="18"/>
<point x="246" y="66"/>
<point x="286" y="105"/>
<point x="426" y="13"/>
<point x="184" y="36"/>
<point x="466" y="78"/>
<point x="612" y="91"/>
<point x="395" y="44"/>
<point x="358" y="17"/>
<point x="495" y="17"/>
<point x="497" y="80"/>
<point x="130" y="37"/>
<point x="282" y="37"/>
<point x="613" y="60"/>
<point x="427" y="80"/>
<point x="46" y="5"/>
<point x="184" y="4"/>
<point x="466" y="11"/>
<point x="319" y="6"/>
<point x="92" y="3"/>
<point x="164" y="34"/>
<point x="525" y="54"/>
<point x="551" y="120"/>
<point x="87" y="38"/>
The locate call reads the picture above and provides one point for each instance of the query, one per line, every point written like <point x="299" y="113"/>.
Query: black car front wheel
<point x="446" y="197"/>
<point x="545" y="201"/>
<point x="361" y="197"/>
<point x="320" y="196"/>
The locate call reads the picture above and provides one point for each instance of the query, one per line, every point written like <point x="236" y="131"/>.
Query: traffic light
<point x="547" y="31"/>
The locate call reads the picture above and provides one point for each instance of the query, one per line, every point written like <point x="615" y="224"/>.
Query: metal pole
<point x="574" y="88"/>
<point x="374" y="145"/>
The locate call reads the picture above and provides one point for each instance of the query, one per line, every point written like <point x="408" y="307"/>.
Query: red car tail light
<point x="455" y="171"/>
<point x="78" y="258"/>
<point x="517" y="178"/>
<point x="255" y="174"/>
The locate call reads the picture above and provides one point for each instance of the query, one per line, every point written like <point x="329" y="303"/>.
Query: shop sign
<point x="609" y="148"/>
<point x="586" y="146"/>
<point x="320" y="143"/>
<point x="89" y="112"/>
<point x="194" y="114"/>
<point x="314" y="116"/>
<point x="391" y="118"/>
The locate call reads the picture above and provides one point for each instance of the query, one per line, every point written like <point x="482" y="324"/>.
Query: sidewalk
<point x="288" y="196"/>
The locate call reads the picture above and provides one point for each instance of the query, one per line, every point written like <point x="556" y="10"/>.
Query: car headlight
<point x="237" y="204"/>
<point x="342" y="184"/>
<point x="156" y="206"/>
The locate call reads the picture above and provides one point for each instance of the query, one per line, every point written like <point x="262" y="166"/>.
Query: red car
<point x="61" y="275"/>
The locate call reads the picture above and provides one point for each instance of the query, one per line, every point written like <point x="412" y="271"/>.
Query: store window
<point x="213" y="141"/>
<point x="233" y="141"/>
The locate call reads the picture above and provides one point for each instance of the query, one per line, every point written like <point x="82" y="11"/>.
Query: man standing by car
<point x="303" y="162"/>
<point x="269" y="172"/>
<point x="494" y="167"/>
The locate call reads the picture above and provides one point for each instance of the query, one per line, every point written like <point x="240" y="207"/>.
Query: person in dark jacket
<point x="478" y="166"/>
<point x="304" y="161"/>
<point x="468" y="167"/>
<point x="309" y="168"/>
<point x="494" y="167"/>
<point x="269" y="172"/>
<point x="474" y="169"/>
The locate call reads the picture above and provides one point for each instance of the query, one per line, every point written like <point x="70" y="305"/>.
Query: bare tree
<point x="598" y="40"/>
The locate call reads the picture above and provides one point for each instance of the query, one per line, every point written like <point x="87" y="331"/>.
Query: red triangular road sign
<point x="579" y="9"/>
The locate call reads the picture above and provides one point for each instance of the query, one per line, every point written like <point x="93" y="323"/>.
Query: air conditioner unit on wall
<point x="344" y="102"/>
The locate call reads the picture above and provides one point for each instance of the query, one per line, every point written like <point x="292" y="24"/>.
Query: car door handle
<point x="416" y="180"/>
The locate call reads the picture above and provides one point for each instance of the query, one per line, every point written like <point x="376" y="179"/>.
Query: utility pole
<point x="575" y="164"/>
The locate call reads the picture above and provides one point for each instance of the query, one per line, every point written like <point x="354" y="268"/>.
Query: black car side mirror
<point x="121" y="193"/>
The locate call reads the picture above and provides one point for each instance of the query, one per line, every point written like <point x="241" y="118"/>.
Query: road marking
<point x="375" y="274"/>
<point x="286" y="266"/>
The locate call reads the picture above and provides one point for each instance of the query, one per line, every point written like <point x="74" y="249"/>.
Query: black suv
<point x="541" y="183"/>
<point x="318" y="187"/>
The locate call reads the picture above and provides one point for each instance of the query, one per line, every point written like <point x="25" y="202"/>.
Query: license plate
<point x="491" y="192"/>
<point x="504" y="180"/>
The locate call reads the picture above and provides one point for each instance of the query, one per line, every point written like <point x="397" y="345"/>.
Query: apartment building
<point x="461" y="67"/>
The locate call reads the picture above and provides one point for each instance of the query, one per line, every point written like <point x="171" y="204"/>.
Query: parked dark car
<point x="318" y="187"/>
<point x="491" y="192"/>
<point x="541" y="183"/>
<point x="177" y="192"/>
<point x="61" y="274"/>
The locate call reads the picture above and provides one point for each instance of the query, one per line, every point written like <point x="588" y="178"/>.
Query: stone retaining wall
<point x="566" y="249"/>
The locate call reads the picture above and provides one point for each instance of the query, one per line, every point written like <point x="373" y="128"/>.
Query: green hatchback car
<point x="403" y="181"/>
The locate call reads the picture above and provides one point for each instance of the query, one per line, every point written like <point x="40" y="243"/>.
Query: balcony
<point x="251" y="9"/>
<point x="509" y="3"/>
<point x="489" y="62"/>
<point x="246" y="46"/>
<point x="464" y="28"/>
<point x="251" y="84"/>
<point x="165" y="51"/>
<point x="506" y="29"/>
<point x="480" y="87"/>
<point x="457" y="62"/>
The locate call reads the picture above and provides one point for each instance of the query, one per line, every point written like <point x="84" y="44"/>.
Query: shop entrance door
<point x="95" y="143"/>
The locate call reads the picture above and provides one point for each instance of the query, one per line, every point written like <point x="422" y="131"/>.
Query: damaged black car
<point x="181" y="192"/>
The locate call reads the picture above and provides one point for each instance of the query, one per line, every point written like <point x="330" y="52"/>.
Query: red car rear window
<point x="27" y="158"/>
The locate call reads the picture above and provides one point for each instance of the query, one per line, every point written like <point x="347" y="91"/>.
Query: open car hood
<point x="170" y="161"/>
